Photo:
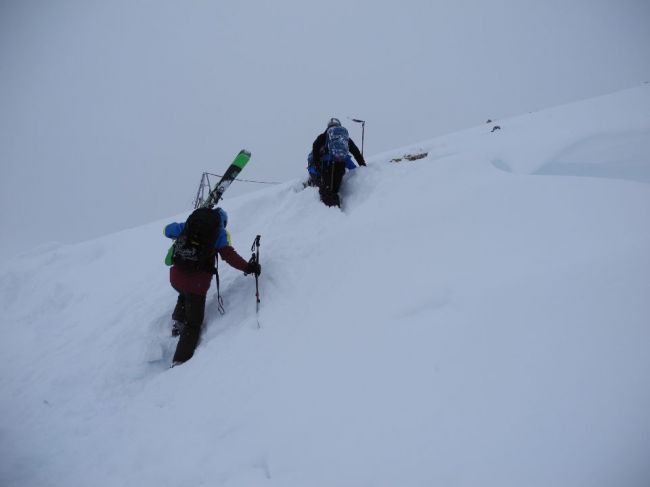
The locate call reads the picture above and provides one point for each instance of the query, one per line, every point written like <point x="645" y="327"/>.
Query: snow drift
<point x="478" y="316"/>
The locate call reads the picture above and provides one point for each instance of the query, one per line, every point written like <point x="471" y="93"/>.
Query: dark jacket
<point x="320" y="147"/>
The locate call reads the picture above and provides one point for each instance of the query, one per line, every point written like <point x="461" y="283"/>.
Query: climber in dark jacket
<point x="329" y="162"/>
<point x="192" y="287"/>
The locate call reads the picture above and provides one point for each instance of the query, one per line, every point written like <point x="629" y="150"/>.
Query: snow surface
<point x="480" y="316"/>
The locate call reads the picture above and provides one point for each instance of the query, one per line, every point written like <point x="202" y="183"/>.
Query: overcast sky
<point x="111" y="110"/>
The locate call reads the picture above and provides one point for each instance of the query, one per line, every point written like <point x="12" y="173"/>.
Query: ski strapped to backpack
<point x="238" y="163"/>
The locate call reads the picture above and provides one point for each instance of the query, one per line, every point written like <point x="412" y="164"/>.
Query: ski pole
<point x="255" y="248"/>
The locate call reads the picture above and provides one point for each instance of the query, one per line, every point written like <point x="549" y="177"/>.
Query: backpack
<point x="338" y="141"/>
<point x="194" y="248"/>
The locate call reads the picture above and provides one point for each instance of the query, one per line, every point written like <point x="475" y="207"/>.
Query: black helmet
<point x="334" y="122"/>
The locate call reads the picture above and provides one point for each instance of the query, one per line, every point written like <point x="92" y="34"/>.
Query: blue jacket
<point x="312" y="169"/>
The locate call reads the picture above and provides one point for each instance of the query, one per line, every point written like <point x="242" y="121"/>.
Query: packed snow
<point x="479" y="315"/>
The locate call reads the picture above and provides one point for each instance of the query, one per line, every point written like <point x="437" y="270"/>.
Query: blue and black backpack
<point x="338" y="141"/>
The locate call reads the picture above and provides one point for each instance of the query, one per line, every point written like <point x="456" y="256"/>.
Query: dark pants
<point x="330" y="183"/>
<point x="314" y="180"/>
<point x="189" y="310"/>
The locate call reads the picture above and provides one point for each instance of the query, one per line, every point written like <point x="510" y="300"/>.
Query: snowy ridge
<point x="476" y="317"/>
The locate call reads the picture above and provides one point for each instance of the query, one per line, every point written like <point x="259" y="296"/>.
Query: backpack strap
<point x="220" y="307"/>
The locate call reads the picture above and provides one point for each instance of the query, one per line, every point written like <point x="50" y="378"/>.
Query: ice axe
<point x="363" y="130"/>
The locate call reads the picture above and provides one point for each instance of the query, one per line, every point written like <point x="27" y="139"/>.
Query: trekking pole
<point x="255" y="248"/>
<point x="363" y="130"/>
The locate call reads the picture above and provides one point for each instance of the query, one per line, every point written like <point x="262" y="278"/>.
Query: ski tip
<point x="245" y="152"/>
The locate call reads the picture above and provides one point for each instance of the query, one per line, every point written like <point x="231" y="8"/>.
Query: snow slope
<point x="480" y="316"/>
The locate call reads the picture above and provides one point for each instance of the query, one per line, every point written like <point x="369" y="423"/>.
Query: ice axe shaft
<point x="363" y="130"/>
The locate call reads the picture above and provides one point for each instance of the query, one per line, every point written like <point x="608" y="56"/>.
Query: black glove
<point x="253" y="268"/>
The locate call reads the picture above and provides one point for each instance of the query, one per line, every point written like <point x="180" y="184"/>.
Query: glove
<point x="253" y="268"/>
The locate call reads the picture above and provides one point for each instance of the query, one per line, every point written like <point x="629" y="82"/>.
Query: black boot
<point x="179" y="310"/>
<point x="189" y="336"/>
<point x="186" y="345"/>
<point x="330" y="199"/>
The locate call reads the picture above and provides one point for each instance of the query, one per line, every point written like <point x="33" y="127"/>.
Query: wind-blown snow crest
<point x="478" y="316"/>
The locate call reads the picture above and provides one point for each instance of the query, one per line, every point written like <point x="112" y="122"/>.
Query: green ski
<point x="238" y="163"/>
<point x="228" y="177"/>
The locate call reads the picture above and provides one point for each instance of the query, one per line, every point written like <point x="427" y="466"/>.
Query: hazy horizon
<point x="112" y="110"/>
